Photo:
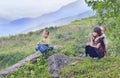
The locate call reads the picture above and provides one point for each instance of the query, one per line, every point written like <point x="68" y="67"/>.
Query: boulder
<point x="56" y="62"/>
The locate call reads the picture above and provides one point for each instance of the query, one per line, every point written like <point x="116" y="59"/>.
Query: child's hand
<point x="97" y="38"/>
<point x="87" y="44"/>
<point x="92" y="37"/>
<point x="41" y="42"/>
<point x="38" y="43"/>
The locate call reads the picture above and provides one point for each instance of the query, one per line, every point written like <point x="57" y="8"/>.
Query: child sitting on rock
<point x="44" y="45"/>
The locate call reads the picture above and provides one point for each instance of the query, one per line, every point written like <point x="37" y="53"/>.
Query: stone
<point x="56" y="62"/>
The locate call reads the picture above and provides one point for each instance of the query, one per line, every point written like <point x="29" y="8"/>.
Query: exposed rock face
<point x="32" y="58"/>
<point x="56" y="62"/>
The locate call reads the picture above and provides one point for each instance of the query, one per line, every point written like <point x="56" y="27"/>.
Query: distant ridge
<point x="63" y="21"/>
<point x="64" y="15"/>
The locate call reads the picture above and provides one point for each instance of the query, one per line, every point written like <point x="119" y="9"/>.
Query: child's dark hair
<point x="97" y="30"/>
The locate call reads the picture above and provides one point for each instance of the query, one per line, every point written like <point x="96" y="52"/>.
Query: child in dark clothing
<point x="97" y="47"/>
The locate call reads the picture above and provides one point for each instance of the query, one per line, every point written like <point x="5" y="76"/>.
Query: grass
<point x="73" y="36"/>
<point x="91" y="68"/>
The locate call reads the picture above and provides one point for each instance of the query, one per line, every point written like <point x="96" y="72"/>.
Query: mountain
<point x="69" y="13"/>
<point x="80" y="16"/>
<point x="64" y="21"/>
<point x="3" y="21"/>
<point x="66" y="11"/>
<point x="21" y="21"/>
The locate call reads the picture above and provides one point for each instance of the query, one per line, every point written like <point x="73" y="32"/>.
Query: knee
<point x="87" y="46"/>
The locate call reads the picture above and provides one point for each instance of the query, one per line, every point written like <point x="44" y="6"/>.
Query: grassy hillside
<point x="108" y="67"/>
<point x="73" y="36"/>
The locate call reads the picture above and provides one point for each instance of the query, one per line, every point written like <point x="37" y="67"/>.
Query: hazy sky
<point x="14" y="9"/>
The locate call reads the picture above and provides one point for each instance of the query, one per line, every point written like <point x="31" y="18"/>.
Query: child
<point x="45" y="40"/>
<point x="103" y="30"/>
<point x="97" y="47"/>
<point x="44" y="45"/>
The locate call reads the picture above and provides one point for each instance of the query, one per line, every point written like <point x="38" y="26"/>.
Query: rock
<point x="56" y="62"/>
<point x="10" y="70"/>
<point x="58" y="47"/>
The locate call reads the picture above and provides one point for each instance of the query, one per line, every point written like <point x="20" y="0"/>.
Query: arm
<point x="45" y="41"/>
<point x="100" y="37"/>
<point x="91" y="41"/>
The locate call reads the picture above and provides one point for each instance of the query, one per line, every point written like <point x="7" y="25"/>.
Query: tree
<point x="108" y="12"/>
<point x="105" y="9"/>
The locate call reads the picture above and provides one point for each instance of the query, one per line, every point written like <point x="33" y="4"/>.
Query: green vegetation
<point x="73" y="36"/>
<point x="108" y="67"/>
<point x="38" y="70"/>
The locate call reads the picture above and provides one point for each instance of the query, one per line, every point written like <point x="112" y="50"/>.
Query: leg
<point x="87" y="50"/>
<point x="92" y="52"/>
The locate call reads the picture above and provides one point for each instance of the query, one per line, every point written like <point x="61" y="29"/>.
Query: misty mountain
<point x="80" y="16"/>
<point x="63" y="21"/>
<point x="3" y="21"/>
<point x="73" y="11"/>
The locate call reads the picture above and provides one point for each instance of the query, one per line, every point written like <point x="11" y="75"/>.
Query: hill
<point x="73" y="36"/>
<point x="64" y="15"/>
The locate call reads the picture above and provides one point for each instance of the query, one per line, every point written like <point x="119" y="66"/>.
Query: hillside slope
<point x="73" y="36"/>
<point x="15" y="48"/>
